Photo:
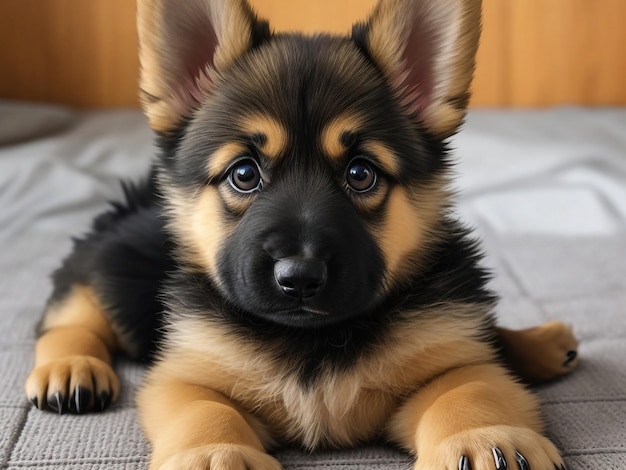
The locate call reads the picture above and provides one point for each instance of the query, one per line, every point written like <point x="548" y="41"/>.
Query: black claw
<point x="35" y="402"/>
<point x="79" y="402"/>
<point x="52" y="404"/>
<point x="83" y="398"/>
<point x="522" y="463"/>
<point x="55" y="402"/>
<point x="59" y="400"/>
<point x="500" y="460"/>
<point x="71" y="402"/>
<point x="464" y="463"/>
<point x="105" y="400"/>
<point x="569" y="357"/>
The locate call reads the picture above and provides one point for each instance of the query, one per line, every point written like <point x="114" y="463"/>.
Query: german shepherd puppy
<point x="292" y="258"/>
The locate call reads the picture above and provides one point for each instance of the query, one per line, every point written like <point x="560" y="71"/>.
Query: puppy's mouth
<point x="302" y="316"/>
<point x="303" y="310"/>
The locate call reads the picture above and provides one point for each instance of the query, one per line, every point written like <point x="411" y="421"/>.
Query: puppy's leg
<point x="475" y="417"/>
<point x="73" y="356"/>
<point x="542" y="353"/>
<point x="192" y="427"/>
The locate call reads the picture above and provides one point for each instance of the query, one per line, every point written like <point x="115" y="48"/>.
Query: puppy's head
<point x="305" y="175"/>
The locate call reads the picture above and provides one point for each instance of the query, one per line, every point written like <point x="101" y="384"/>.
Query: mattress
<point x="545" y="191"/>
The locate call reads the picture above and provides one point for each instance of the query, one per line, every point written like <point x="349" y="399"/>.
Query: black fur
<point x="124" y="259"/>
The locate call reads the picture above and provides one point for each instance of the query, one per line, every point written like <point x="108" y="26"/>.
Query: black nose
<point x="300" y="277"/>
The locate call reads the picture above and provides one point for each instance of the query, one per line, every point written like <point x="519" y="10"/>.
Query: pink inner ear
<point x="197" y="74"/>
<point x="415" y="81"/>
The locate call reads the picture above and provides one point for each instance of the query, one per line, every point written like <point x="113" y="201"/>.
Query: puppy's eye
<point x="360" y="176"/>
<point x="245" y="176"/>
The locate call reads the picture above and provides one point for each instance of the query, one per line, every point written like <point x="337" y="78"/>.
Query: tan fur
<point x="275" y="135"/>
<point x="168" y="34"/>
<point x="332" y="145"/>
<point x="469" y="411"/>
<point x="81" y="308"/>
<point x="197" y="221"/>
<point x="236" y="203"/>
<point x="384" y="155"/>
<point x="220" y="456"/>
<point x="192" y="425"/>
<point x="409" y="228"/>
<point x="460" y="402"/>
<point x="74" y="349"/>
<point x="344" y="408"/>
<point x="454" y="57"/>
<point x="403" y="231"/>
<point x="220" y="160"/>
<point x="330" y="137"/>
<point x="539" y="354"/>
<point x="372" y="201"/>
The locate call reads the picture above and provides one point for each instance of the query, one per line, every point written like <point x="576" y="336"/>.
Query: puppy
<point x="292" y="264"/>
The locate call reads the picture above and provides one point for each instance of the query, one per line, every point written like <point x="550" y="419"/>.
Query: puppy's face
<point x="301" y="187"/>
<point x="308" y="179"/>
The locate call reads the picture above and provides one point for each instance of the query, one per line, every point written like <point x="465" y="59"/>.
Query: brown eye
<point x="245" y="176"/>
<point x="360" y="176"/>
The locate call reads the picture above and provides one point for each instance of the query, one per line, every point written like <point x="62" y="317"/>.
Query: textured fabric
<point x="546" y="191"/>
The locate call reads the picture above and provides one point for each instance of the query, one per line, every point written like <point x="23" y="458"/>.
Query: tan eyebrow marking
<point x="274" y="139"/>
<point x="222" y="157"/>
<point x="385" y="156"/>
<point x="331" y="136"/>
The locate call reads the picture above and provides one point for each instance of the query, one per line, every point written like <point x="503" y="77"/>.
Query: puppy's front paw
<point x="492" y="448"/>
<point x="220" y="457"/>
<point x="76" y="383"/>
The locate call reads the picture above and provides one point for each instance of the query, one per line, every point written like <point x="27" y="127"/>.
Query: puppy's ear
<point x="426" y="49"/>
<point x="183" y="46"/>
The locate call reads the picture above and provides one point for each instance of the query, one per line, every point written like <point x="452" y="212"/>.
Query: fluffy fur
<point x="292" y="263"/>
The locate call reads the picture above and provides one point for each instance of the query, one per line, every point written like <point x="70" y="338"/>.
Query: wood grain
<point x="533" y="52"/>
<point x="567" y="51"/>
<point x="81" y="53"/>
<point x="490" y="87"/>
<point x="336" y="16"/>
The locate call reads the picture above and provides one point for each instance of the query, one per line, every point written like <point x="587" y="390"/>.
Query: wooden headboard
<point x="533" y="52"/>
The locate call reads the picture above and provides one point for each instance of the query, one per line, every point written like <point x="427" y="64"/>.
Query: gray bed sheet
<point x="546" y="191"/>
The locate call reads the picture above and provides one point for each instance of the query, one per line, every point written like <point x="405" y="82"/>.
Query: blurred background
<point x="534" y="53"/>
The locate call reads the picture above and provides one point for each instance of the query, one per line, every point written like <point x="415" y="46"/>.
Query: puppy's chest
<point x="337" y="408"/>
<point x="333" y="411"/>
<point x="344" y="408"/>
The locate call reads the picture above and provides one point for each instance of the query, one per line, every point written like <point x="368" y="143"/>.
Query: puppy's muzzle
<point x="300" y="277"/>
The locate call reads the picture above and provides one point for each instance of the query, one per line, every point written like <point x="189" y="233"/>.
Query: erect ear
<point x="183" y="45"/>
<point x="426" y="49"/>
